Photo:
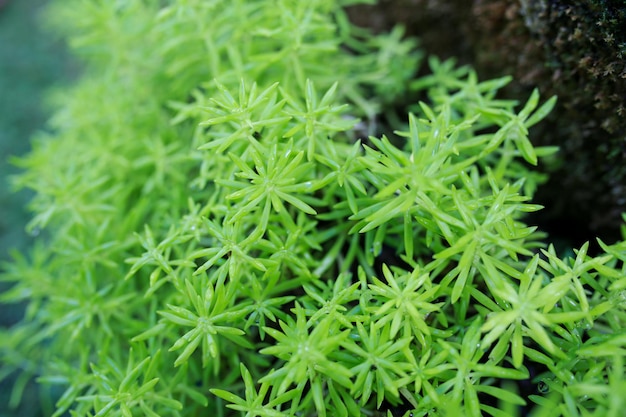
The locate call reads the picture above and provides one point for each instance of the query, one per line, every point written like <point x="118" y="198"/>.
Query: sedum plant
<point x="224" y="231"/>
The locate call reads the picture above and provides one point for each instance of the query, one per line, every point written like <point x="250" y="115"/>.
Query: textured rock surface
<point x="576" y="51"/>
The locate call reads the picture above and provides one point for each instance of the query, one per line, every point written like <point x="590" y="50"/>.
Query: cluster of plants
<point x="222" y="230"/>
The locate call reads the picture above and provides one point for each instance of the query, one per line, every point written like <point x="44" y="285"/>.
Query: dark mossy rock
<point x="576" y="50"/>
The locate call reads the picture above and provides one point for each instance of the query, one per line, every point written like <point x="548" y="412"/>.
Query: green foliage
<point x="220" y="237"/>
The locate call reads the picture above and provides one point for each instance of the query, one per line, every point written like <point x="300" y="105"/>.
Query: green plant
<point x="219" y="236"/>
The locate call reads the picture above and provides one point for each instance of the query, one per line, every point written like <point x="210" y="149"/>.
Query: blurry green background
<point x="31" y="62"/>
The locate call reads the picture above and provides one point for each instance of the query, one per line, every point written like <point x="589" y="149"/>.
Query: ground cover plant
<point x="224" y="231"/>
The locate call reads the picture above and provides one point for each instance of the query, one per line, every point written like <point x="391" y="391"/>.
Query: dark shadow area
<point x="574" y="50"/>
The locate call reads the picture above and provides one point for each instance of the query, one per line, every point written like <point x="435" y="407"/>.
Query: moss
<point x="576" y="51"/>
<point x="217" y="236"/>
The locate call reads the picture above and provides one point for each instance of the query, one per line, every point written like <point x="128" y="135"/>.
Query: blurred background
<point x="32" y="61"/>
